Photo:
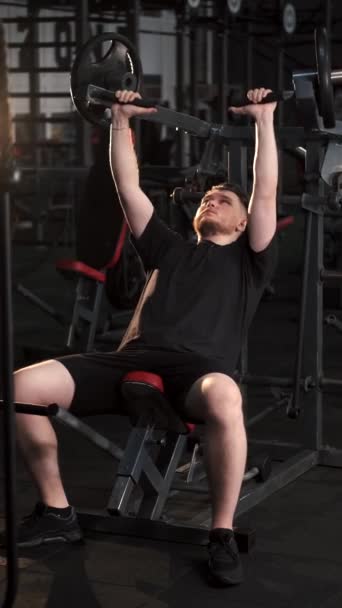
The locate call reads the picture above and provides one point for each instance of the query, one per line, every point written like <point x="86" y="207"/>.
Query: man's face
<point x="220" y="212"/>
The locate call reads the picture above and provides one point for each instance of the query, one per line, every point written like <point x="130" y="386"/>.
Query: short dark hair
<point x="240" y="193"/>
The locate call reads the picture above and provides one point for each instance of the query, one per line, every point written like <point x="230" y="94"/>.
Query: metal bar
<point x="193" y="84"/>
<point x="281" y="381"/>
<point x="41" y="45"/>
<point x="6" y="370"/>
<point x="34" y="85"/>
<point x="131" y="526"/>
<point x="44" y="306"/>
<point x="167" y="463"/>
<point x="280" y="87"/>
<point x="31" y="408"/>
<point x="55" y="19"/>
<point x="179" y="120"/>
<point x="312" y="363"/>
<point x="180" y="152"/>
<point x="223" y="66"/>
<point x="200" y="488"/>
<point x="47" y="119"/>
<point x="330" y="382"/>
<point x="133" y="12"/>
<point x="89" y="433"/>
<point x="84" y="129"/>
<point x="302" y="315"/>
<point x="268" y="410"/>
<point x="285" y="474"/>
<point x="327" y="275"/>
<point x="38" y="70"/>
<point x="330" y="457"/>
<point x="38" y="95"/>
<point x="336" y="76"/>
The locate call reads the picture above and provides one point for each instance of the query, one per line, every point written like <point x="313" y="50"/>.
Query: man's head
<point x="222" y="214"/>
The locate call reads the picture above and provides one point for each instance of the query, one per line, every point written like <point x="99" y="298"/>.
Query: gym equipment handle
<point x="239" y="102"/>
<point x="100" y="96"/>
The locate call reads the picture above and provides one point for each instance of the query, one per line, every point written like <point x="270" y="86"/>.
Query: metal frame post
<point x="180" y="56"/>
<point x="84" y="128"/>
<point x="313" y="329"/>
<point x="133" y="24"/>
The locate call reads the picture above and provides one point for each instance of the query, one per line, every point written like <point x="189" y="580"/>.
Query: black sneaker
<point x="224" y="560"/>
<point x="44" y="526"/>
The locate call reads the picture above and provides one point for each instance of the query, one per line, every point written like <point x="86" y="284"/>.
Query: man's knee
<point x="44" y="383"/>
<point x="221" y="397"/>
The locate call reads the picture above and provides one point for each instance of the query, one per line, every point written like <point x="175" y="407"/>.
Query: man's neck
<point x="220" y="239"/>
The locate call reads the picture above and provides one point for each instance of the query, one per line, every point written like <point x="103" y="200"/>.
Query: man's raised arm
<point x="262" y="210"/>
<point x="136" y="206"/>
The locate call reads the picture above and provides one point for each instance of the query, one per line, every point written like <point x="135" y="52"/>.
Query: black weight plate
<point x="326" y="93"/>
<point x="119" y="68"/>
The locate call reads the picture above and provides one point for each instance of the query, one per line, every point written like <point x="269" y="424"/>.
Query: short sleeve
<point x="262" y="264"/>
<point x="155" y="242"/>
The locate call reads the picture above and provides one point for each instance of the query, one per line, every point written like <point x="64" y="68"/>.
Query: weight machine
<point x="308" y="380"/>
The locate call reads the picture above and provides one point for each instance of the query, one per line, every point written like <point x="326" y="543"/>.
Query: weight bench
<point x="89" y="296"/>
<point x="150" y="467"/>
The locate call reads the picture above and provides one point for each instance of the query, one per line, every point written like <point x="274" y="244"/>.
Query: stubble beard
<point x="207" y="227"/>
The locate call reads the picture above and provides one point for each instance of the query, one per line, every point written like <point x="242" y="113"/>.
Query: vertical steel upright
<point x="34" y="82"/>
<point x="311" y="321"/>
<point x="223" y="65"/>
<point x="279" y="79"/>
<point x="133" y="26"/>
<point x="193" y="77"/>
<point x="6" y="337"/>
<point x="180" y="57"/>
<point x="84" y="129"/>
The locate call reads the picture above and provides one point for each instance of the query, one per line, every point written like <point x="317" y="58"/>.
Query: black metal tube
<point x="280" y="107"/>
<point x="303" y="305"/>
<point x="88" y="433"/>
<point x="224" y="68"/>
<point x="327" y="275"/>
<point x="84" y="151"/>
<point x="180" y="84"/>
<point x="9" y="453"/>
<point x="330" y="382"/>
<point x="133" y="20"/>
<point x="328" y="16"/>
<point x="285" y="381"/>
<point x="35" y="410"/>
<point x="193" y="68"/>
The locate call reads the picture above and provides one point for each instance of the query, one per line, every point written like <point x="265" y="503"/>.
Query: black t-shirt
<point x="198" y="297"/>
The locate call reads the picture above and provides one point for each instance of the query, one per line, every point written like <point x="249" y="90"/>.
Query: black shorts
<point x="97" y="376"/>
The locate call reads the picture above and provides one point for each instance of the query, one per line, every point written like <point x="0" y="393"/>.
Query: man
<point x="188" y="326"/>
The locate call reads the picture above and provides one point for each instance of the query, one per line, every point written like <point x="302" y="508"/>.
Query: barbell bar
<point x="93" y="83"/>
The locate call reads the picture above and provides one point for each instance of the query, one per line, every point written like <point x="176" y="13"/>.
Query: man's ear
<point x="242" y="225"/>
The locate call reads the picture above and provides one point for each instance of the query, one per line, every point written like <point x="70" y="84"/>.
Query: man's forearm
<point x="265" y="159"/>
<point x="123" y="159"/>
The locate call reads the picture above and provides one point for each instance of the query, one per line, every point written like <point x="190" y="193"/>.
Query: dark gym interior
<point x="70" y="279"/>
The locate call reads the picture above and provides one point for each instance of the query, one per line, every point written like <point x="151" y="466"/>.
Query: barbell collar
<point x="336" y="76"/>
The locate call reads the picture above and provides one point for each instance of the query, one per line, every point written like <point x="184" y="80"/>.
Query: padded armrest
<point x="79" y="268"/>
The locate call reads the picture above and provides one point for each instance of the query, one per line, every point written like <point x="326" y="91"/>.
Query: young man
<point x="188" y="326"/>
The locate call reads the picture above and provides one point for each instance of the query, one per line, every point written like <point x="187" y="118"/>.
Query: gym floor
<point x="297" y="558"/>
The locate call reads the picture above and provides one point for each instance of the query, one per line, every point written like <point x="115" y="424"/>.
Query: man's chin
<point x="208" y="227"/>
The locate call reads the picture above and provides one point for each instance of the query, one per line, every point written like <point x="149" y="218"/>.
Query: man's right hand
<point x="121" y="112"/>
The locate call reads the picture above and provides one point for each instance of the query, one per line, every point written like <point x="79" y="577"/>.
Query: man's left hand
<point x="255" y="108"/>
